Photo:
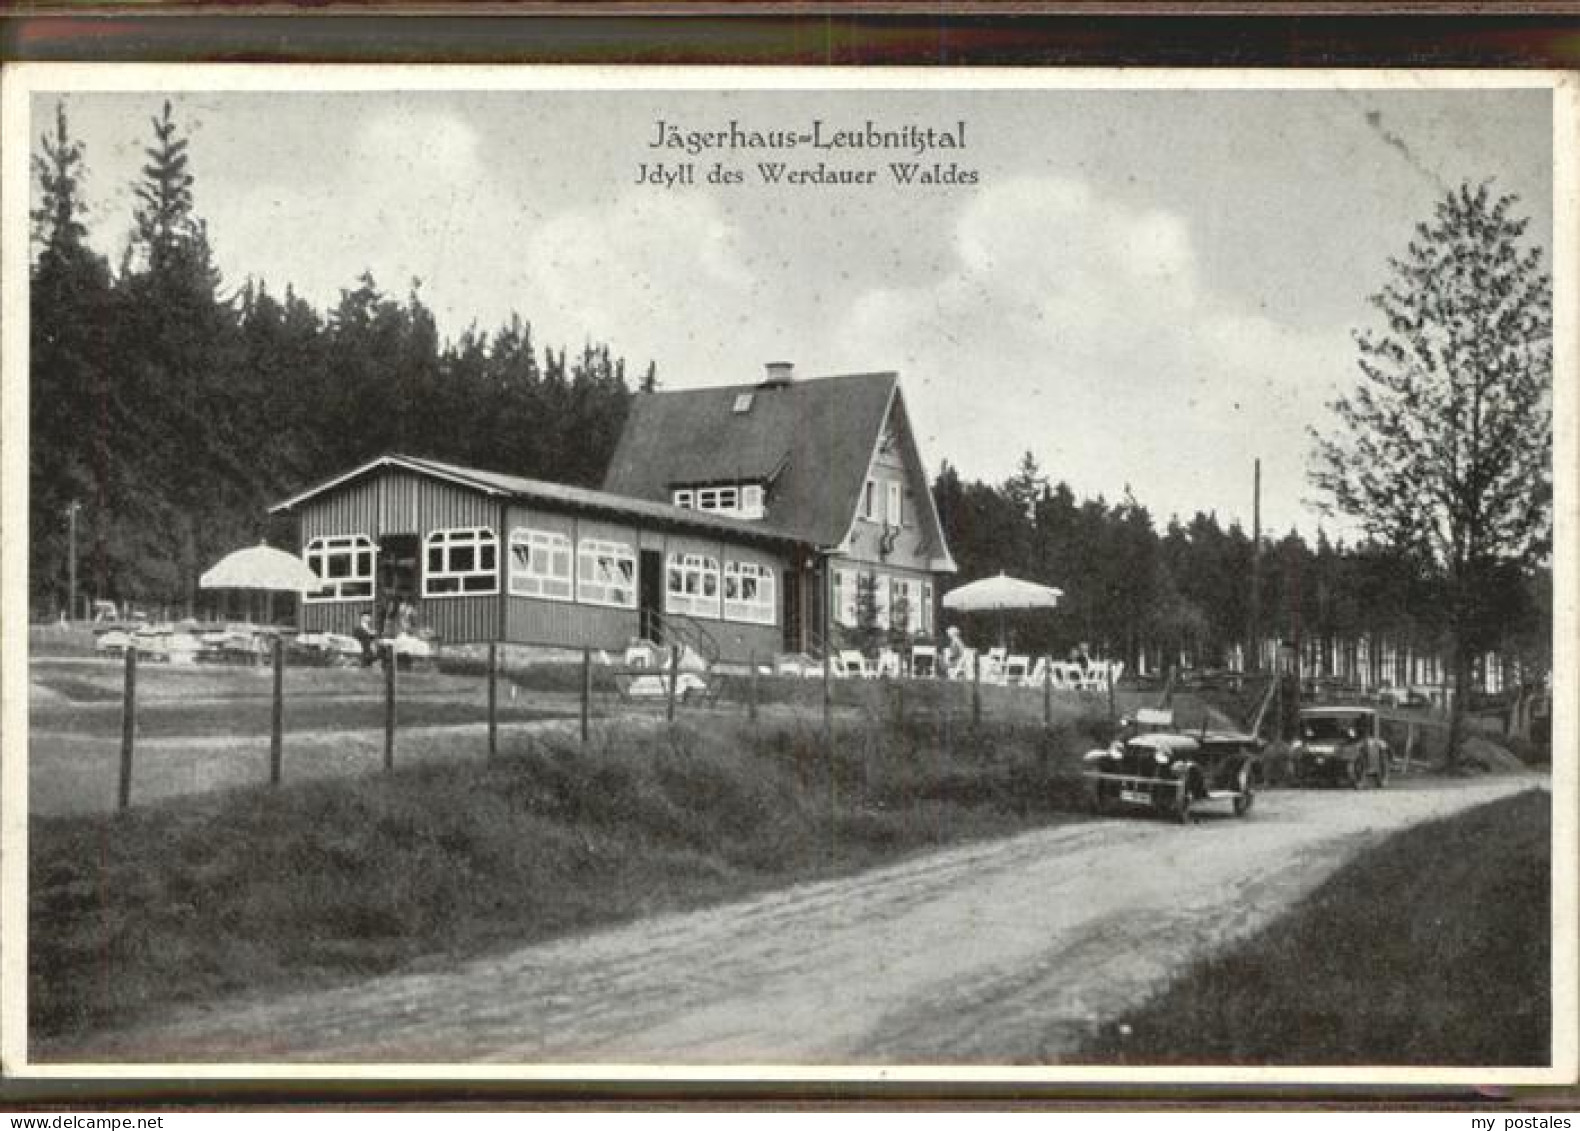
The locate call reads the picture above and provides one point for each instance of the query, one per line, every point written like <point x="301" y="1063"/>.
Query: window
<point x="869" y="501"/>
<point x="606" y="573"/>
<point x="718" y="499"/>
<point x="743" y="403"/>
<point x="845" y="597"/>
<point x="460" y="562"/>
<point x="896" y="499"/>
<point x="748" y="592"/>
<point x="741" y="500"/>
<point x="344" y="562"/>
<point x="880" y="598"/>
<point x="692" y="585"/>
<point x="924" y="616"/>
<point x="540" y="564"/>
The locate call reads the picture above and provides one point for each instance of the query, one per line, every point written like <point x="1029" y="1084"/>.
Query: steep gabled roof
<point x="543" y="492"/>
<point x="813" y="439"/>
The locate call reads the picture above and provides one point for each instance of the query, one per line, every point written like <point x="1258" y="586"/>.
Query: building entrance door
<point x="397" y="575"/>
<point x="650" y="596"/>
<point x="791" y="580"/>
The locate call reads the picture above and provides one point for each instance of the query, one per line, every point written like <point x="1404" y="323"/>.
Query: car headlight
<point x="1161" y="758"/>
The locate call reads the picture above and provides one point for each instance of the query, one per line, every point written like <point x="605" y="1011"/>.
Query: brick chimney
<point x="778" y="374"/>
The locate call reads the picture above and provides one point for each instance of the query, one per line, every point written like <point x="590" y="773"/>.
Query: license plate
<point x="1138" y="796"/>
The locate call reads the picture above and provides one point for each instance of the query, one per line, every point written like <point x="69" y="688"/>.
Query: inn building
<point x="734" y="518"/>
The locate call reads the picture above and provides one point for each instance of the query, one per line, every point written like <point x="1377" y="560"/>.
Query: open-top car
<point x="1341" y="745"/>
<point x="1171" y="773"/>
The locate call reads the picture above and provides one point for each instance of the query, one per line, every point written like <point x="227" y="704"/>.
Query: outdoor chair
<point x="855" y="664"/>
<point x="1066" y="676"/>
<point x="993" y="665"/>
<point x="964" y="667"/>
<point x="888" y="666"/>
<point x="1016" y="669"/>
<point x="924" y="661"/>
<point x="1039" y="673"/>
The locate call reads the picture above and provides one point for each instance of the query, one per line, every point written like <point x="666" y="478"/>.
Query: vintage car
<point x="1342" y="745"/>
<point x="1170" y="773"/>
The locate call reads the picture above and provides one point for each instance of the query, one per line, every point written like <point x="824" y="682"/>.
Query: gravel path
<point x="1007" y="952"/>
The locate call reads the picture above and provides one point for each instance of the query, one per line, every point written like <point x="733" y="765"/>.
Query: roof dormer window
<point x="742" y="500"/>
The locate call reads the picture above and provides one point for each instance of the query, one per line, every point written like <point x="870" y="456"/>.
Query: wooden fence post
<point x="128" y="727"/>
<point x="674" y="679"/>
<point x="586" y="693"/>
<point x="493" y="699"/>
<point x="390" y="665"/>
<point x="976" y="689"/>
<point x="277" y="715"/>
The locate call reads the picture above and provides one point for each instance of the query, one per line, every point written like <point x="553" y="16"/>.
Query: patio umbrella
<point x="261" y="568"/>
<point x="1002" y="594"/>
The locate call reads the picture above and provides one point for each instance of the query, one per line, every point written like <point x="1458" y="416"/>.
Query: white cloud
<point x="1107" y="354"/>
<point x="647" y="271"/>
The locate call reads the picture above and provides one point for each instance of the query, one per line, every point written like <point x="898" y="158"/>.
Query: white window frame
<point x="723" y="499"/>
<point x="880" y="599"/>
<point x="844" y="597"/>
<point x="606" y="573"/>
<point x="685" y="499"/>
<point x="925" y="620"/>
<point x="688" y="580"/>
<point x="869" y="501"/>
<point x="752" y="500"/>
<point x="477" y="580"/>
<point x="364" y="559"/>
<point x="550" y="569"/>
<point x="749" y="593"/>
<point x="895" y="511"/>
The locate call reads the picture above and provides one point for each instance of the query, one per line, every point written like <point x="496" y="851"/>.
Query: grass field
<point x="1432" y="948"/>
<point x="324" y="880"/>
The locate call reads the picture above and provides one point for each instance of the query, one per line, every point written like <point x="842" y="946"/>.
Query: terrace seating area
<point x="998" y="667"/>
<point x="243" y="642"/>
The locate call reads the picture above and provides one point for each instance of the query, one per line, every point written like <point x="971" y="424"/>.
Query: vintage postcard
<point x="717" y="574"/>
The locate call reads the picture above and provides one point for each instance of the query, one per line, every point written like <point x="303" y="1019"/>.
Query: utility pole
<point x="71" y="560"/>
<point x="1253" y="648"/>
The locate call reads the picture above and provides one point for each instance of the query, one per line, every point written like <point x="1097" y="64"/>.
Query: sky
<point x="1145" y="289"/>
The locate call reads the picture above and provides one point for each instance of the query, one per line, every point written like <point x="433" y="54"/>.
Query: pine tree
<point x="71" y="305"/>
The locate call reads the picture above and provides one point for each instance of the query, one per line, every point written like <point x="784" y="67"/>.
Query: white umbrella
<point x="261" y="567"/>
<point x="1002" y="594"/>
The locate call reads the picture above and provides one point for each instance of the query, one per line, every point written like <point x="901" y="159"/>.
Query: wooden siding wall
<point x="535" y="620"/>
<point x="397" y="502"/>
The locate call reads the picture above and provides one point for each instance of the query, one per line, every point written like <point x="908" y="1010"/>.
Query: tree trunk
<point x="1457" y="709"/>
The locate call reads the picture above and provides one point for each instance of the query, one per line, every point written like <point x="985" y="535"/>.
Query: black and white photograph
<point x="713" y="573"/>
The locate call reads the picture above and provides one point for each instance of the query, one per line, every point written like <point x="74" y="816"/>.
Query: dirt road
<point x="1005" y="952"/>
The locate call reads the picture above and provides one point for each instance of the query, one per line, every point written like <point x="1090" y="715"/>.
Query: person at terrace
<point x="955" y="652"/>
<point x="367" y="637"/>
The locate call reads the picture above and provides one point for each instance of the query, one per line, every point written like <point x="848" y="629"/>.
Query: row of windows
<point x="890" y="595"/>
<point x="462" y="562"/>
<point x="742" y="501"/>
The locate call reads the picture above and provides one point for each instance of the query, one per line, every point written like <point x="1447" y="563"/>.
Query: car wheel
<point x="1100" y="799"/>
<point x="1357" y="772"/>
<point x="1382" y="769"/>
<point x="1182" y="806"/>
<point x="1242" y="803"/>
